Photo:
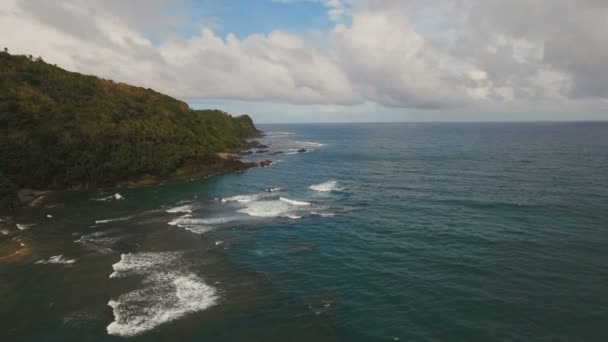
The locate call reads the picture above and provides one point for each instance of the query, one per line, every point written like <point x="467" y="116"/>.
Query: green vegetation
<point x="61" y="129"/>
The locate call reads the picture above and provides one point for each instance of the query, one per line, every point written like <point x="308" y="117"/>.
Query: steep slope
<point x="61" y="129"/>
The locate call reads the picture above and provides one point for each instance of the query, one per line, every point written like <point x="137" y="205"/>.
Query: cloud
<point x="485" y="55"/>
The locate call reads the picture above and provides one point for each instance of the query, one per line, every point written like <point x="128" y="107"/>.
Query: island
<point x="63" y="130"/>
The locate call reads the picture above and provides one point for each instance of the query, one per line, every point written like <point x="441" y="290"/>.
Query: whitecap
<point x="294" y="217"/>
<point x="180" y="209"/>
<point x="326" y="186"/>
<point x="57" y="259"/>
<point x="5" y="231"/>
<point x="294" y="202"/>
<point x="126" y="218"/>
<point x="118" y="196"/>
<point x="168" y="293"/>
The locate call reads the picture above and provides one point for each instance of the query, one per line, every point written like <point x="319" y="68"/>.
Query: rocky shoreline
<point x="227" y="162"/>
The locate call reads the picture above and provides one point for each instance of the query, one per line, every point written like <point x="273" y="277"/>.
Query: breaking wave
<point x="167" y="293"/>
<point x="326" y="186"/>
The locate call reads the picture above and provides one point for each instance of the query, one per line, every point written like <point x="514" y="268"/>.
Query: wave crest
<point x="328" y="186"/>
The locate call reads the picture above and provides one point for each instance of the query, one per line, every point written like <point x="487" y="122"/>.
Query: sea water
<point x="377" y="232"/>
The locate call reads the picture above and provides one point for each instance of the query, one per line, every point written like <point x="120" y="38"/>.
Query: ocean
<point x="376" y="232"/>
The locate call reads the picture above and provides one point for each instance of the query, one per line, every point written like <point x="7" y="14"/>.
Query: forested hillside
<point x="61" y="129"/>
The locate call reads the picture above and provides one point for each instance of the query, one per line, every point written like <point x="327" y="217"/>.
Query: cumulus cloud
<point x="408" y="53"/>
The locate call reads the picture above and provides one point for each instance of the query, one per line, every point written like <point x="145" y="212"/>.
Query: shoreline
<point x="226" y="163"/>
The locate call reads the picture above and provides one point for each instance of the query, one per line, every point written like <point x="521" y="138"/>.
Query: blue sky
<point x="336" y="60"/>
<point x="243" y="18"/>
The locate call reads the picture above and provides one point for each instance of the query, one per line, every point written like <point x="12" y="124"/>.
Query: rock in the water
<point x="302" y="150"/>
<point x="261" y="151"/>
<point x="265" y="163"/>
<point x="275" y="153"/>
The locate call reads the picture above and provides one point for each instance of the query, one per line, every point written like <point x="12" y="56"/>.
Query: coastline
<point x="227" y="162"/>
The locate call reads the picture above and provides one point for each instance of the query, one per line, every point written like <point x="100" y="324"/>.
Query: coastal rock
<point x="265" y="163"/>
<point x="302" y="150"/>
<point x="256" y="144"/>
<point x="275" y="153"/>
<point x="261" y="151"/>
<point x="246" y="153"/>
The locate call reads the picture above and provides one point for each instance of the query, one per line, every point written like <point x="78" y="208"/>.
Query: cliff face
<point x="60" y="129"/>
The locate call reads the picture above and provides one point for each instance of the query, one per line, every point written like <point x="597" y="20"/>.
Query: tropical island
<point x="64" y="130"/>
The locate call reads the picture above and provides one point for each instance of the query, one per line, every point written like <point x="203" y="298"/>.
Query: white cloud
<point x="485" y="55"/>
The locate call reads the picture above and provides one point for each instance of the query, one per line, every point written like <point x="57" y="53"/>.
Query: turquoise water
<point x="425" y="232"/>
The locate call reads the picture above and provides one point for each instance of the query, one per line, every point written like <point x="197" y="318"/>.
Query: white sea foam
<point x="116" y="196"/>
<point x="180" y="209"/>
<point x="168" y="293"/>
<point x="100" y="242"/>
<point x="326" y="186"/>
<point x="309" y="143"/>
<point x="328" y="214"/>
<point x="23" y="226"/>
<point x="293" y="202"/>
<point x="57" y="259"/>
<point x="294" y="217"/>
<point x="4" y="231"/>
<point x="240" y="198"/>
<point x="126" y="218"/>
<point x="248" y="198"/>
<point x="199" y="229"/>
<point x="271" y="208"/>
<point x="188" y="220"/>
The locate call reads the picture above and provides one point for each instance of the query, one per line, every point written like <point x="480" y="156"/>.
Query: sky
<point x="336" y="60"/>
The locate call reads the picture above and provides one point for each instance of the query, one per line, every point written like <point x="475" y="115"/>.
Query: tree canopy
<point x="61" y="129"/>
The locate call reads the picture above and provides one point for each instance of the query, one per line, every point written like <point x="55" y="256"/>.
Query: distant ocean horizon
<point x="425" y="231"/>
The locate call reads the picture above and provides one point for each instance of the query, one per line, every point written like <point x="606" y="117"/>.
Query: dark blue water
<point x="428" y="232"/>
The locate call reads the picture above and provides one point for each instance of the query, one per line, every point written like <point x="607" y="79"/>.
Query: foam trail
<point x="23" y="226"/>
<point x="188" y="220"/>
<point x="294" y="202"/>
<point x="116" y="196"/>
<point x="113" y="220"/>
<point x="181" y="209"/>
<point x="326" y="186"/>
